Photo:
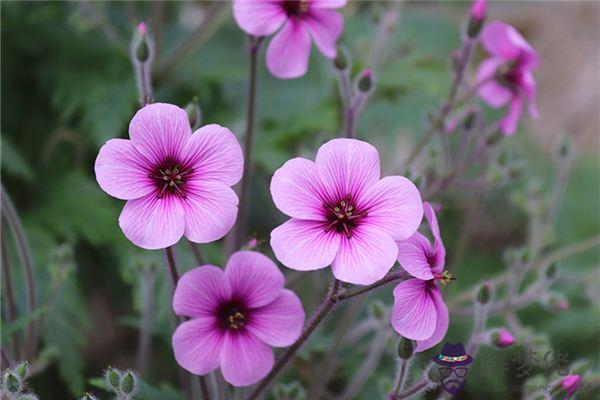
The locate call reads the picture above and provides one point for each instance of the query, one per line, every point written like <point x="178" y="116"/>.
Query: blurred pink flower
<point x="299" y="20"/>
<point x="478" y="9"/>
<point x="571" y="384"/>
<point x="236" y="316"/>
<point x="504" y="338"/>
<point x="419" y="312"/>
<point x="342" y="213"/>
<point x="175" y="182"/>
<point x="505" y="77"/>
<point x="142" y="28"/>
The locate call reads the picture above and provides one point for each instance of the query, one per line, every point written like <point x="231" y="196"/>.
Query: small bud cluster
<point x="14" y="383"/>
<point x="289" y="391"/>
<point x="123" y="383"/>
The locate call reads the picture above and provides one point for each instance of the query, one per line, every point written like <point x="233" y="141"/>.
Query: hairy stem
<point x="401" y="378"/>
<point x="11" y="305"/>
<point x="320" y="313"/>
<point x="413" y="390"/>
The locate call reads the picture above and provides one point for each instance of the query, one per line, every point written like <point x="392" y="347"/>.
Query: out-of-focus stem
<point x="148" y="278"/>
<point x="6" y="360"/>
<point x="11" y="307"/>
<point x="413" y="390"/>
<point x="481" y="313"/>
<point x="24" y="250"/>
<point x="197" y="252"/>
<point x="560" y="183"/>
<point x="236" y="235"/>
<point x="320" y="313"/>
<point x="402" y="368"/>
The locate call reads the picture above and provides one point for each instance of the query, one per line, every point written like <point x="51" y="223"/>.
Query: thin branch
<point x="11" y="306"/>
<point x="391" y="277"/>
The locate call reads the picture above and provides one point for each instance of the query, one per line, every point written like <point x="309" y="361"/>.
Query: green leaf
<point x="13" y="162"/>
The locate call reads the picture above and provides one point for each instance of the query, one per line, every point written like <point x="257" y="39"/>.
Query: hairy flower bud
<point x="88" y="396"/>
<point x="112" y="376"/>
<point x="406" y="348"/>
<point x="485" y="293"/>
<point x="128" y="383"/>
<point x="12" y="383"/>
<point x="564" y="146"/>
<point x="558" y="302"/>
<point x="477" y="18"/>
<point x="551" y="271"/>
<point x="470" y="119"/>
<point x="143" y="51"/>
<point x="341" y="59"/>
<point x="22" y="370"/>
<point x="433" y="374"/>
<point x="194" y="113"/>
<point x="503" y="338"/>
<point x="365" y="80"/>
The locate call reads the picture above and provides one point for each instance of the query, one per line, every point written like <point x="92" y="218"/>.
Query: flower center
<point x="170" y="178"/>
<point x="343" y="216"/>
<point x="233" y="316"/>
<point x="509" y="75"/>
<point x="295" y="7"/>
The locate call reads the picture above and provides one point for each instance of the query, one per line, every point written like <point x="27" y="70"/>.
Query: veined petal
<point x="200" y="291"/>
<point x="159" y="131"/>
<point x="366" y="257"/>
<point x="490" y="90"/>
<point x="245" y="359"/>
<point x="151" y="222"/>
<point x="441" y="323"/>
<point x="122" y="171"/>
<point x="210" y="209"/>
<point x="414" y="314"/>
<point x="289" y="50"/>
<point x="214" y="153"/>
<point x="325" y="27"/>
<point x="413" y="256"/>
<point x="324" y="4"/>
<point x="497" y="39"/>
<point x="393" y="205"/>
<point x="278" y="323"/>
<point x="254" y="278"/>
<point x="347" y="167"/>
<point x="304" y="245"/>
<point x="439" y="251"/>
<point x="197" y="345"/>
<point x="296" y="190"/>
<point x="259" y="17"/>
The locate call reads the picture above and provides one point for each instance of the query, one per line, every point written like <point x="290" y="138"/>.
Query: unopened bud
<point x="433" y="374"/>
<point x="406" y="348"/>
<point x="485" y="293"/>
<point x="378" y="309"/>
<point x="194" y="113"/>
<point x="365" y="80"/>
<point x="551" y="271"/>
<point x="564" y="146"/>
<point x="341" y="59"/>
<point x="22" y="370"/>
<point x="143" y="51"/>
<point x="89" y="396"/>
<point x="112" y="377"/>
<point x="477" y="18"/>
<point x="469" y="119"/>
<point x="503" y="338"/>
<point x="558" y="302"/>
<point x="129" y="383"/>
<point x="493" y="138"/>
<point x="12" y="383"/>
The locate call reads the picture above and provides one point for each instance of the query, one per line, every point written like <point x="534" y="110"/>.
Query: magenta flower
<point x="419" y="312"/>
<point x="299" y="20"/>
<point x="505" y="77"/>
<point x="175" y="182"/>
<point x="342" y="213"/>
<point x="236" y="315"/>
<point x="503" y="338"/>
<point x="571" y="384"/>
<point x="478" y="9"/>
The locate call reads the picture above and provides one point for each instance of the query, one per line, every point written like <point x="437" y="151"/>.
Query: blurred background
<point x="68" y="86"/>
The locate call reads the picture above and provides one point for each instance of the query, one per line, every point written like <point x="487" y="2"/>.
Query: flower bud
<point x="22" y="370"/>
<point x="194" y="113"/>
<point x="12" y="383"/>
<point x="89" y="396"/>
<point x="493" y="138"/>
<point x="377" y="309"/>
<point x="112" y="376"/>
<point x="469" y="119"/>
<point x="143" y="51"/>
<point x="558" y="302"/>
<point x="406" y="348"/>
<point x="551" y="271"/>
<point x="365" y="80"/>
<point x="503" y="338"/>
<point x="564" y="146"/>
<point x="433" y="374"/>
<point x="478" y="14"/>
<point x="485" y="293"/>
<point x="570" y="384"/>
<point x="128" y="383"/>
<point x="341" y="59"/>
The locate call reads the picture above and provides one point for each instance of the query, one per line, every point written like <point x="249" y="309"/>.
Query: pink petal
<point x="296" y="190"/>
<point x="254" y="278"/>
<point x="509" y="123"/>
<point x="439" y="252"/>
<point x="210" y="210"/>
<point x="497" y="39"/>
<point x="366" y="257"/>
<point x="347" y="167"/>
<point x="151" y="222"/>
<point x="279" y="323"/>
<point x="320" y="4"/>
<point x="122" y="171"/>
<point x="288" y="52"/>
<point x="394" y="205"/>
<point x="528" y="57"/>
<point x="245" y="359"/>
<point x="413" y="256"/>
<point x="197" y="345"/>
<point x="325" y="26"/>
<point x="530" y="88"/>
<point x="159" y="131"/>
<point x="492" y="92"/>
<point x="258" y="17"/>
<point x="441" y="323"/>
<point x="215" y="154"/>
<point x="304" y="245"/>
<point x="200" y="291"/>
<point x="414" y="313"/>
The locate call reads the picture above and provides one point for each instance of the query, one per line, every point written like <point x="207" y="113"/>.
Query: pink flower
<point x="419" y="312"/>
<point x="571" y="384"/>
<point x="505" y="77"/>
<point x="236" y="315"/>
<point x="504" y="338"/>
<point x="342" y="213"/>
<point x="478" y="9"/>
<point x="299" y="20"/>
<point x="175" y="182"/>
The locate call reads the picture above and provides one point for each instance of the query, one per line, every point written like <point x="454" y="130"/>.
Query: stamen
<point x="445" y="277"/>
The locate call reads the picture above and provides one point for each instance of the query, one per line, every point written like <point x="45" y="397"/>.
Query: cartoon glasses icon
<point x="460" y="372"/>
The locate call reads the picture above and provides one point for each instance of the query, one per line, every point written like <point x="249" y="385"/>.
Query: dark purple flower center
<point x="343" y="216"/>
<point x="169" y="178"/>
<point x="295" y="7"/>
<point x="233" y="315"/>
<point x="510" y="75"/>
